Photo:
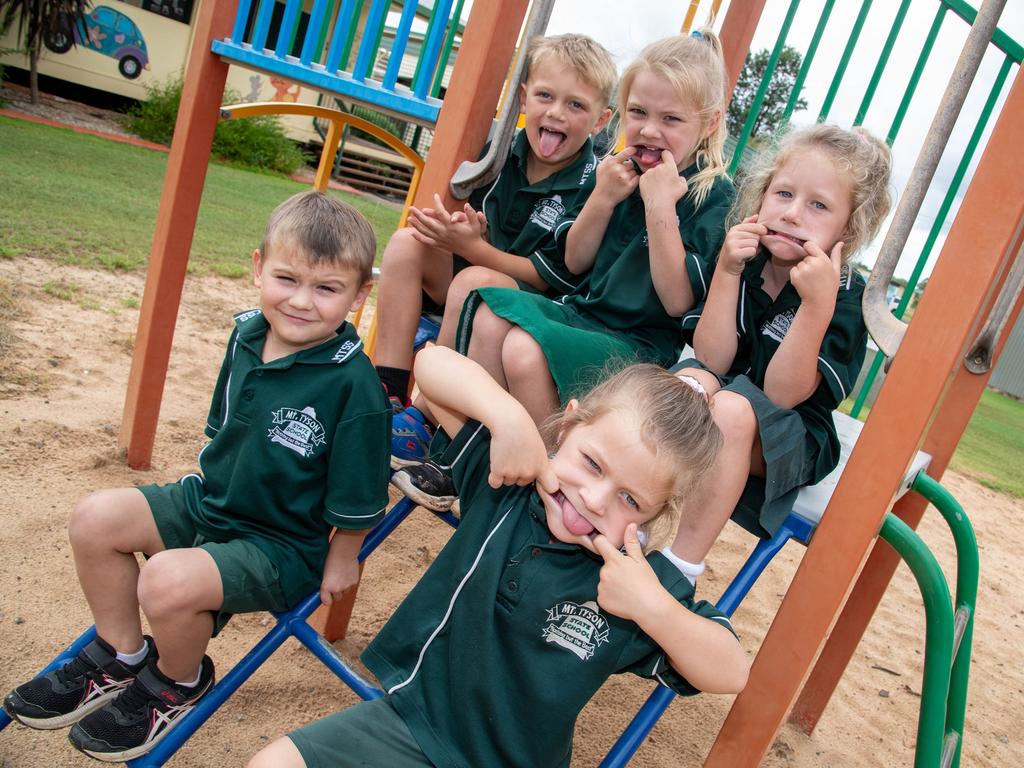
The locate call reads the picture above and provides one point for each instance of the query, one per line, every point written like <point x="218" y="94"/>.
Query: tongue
<point x="549" y="142"/>
<point x="648" y="156"/>
<point x="573" y="522"/>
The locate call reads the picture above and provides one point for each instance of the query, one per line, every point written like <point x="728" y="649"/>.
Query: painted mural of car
<point x="105" y="31"/>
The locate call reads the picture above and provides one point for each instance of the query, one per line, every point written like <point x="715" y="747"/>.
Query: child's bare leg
<point x="281" y="753"/>
<point x="107" y="528"/>
<point x="528" y="375"/>
<point x="408" y="267"/>
<point x="740" y="457"/>
<point x="467" y="280"/>
<point x="178" y="590"/>
<point x="487" y="340"/>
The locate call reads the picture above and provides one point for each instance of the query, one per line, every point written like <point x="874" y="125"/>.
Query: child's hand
<point x="518" y="454"/>
<point x="628" y="586"/>
<point x="617" y="177"/>
<point x="662" y="183"/>
<point x="741" y="244"/>
<point x="816" y="277"/>
<point x="339" y="575"/>
<point x="452" y="232"/>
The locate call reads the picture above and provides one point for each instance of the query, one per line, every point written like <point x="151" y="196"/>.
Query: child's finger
<point x="440" y="205"/>
<point x="627" y="152"/>
<point x="325" y="596"/>
<point x="548" y="480"/>
<point x="605" y="548"/>
<point x="750" y="219"/>
<point x="837" y="255"/>
<point x="667" y="158"/>
<point x="632" y="542"/>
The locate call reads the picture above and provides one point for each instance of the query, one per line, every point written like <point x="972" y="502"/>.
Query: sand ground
<point x="60" y="407"/>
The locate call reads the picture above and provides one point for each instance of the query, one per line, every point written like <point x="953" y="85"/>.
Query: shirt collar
<point x="252" y="330"/>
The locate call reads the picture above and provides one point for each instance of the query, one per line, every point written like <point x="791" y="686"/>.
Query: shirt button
<point x="248" y="394"/>
<point x="513" y="585"/>
<point x="536" y="551"/>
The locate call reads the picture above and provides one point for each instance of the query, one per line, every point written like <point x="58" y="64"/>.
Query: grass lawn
<point x="991" y="449"/>
<point x="83" y="200"/>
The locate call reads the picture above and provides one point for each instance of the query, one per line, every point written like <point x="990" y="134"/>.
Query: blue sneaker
<point x="410" y="438"/>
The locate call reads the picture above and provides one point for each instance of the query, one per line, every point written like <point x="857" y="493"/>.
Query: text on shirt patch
<point x="778" y="326"/>
<point x="247" y="315"/>
<point x="343" y="351"/>
<point x="547" y="212"/>
<point x="577" y="628"/>
<point x="300" y="430"/>
<point x="587" y="170"/>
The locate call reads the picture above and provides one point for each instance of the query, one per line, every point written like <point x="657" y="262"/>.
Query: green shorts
<point x="250" y="580"/>
<point x="369" y="734"/>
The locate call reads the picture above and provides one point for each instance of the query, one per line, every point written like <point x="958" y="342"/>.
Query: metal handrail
<point x="473" y="174"/>
<point x="885" y="328"/>
<point x="979" y="357"/>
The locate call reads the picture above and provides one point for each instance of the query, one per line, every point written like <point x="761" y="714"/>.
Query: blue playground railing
<point x="325" y="44"/>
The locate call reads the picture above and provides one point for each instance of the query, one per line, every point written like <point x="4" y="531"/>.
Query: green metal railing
<point x="949" y="626"/>
<point x="1013" y="54"/>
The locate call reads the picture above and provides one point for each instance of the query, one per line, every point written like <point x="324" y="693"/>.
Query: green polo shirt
<point x="297" y="445"/>
<point x="619" y="293"/>
<point x="762" y="324"/>
<point x="531" y="219"/>
<point x="493" y="654"/>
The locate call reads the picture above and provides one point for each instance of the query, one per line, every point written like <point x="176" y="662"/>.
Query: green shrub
<point x="256" y="142"/>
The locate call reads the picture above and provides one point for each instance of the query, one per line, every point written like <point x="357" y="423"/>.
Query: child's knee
<point x="402" y="251"/>
<point x="169" y="585"/>
<point x="278" y="754"/>
<point x="93" y="519"/>
<point x="521" y="355"/>
<point x="734" y="416"/>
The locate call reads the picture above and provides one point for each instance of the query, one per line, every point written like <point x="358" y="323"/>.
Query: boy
<point x="511" y="231"/>
<point x="298" y="430"/>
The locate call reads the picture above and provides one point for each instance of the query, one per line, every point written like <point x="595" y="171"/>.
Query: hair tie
<point x="697" y="34"/>
<point x="693" y="384"/>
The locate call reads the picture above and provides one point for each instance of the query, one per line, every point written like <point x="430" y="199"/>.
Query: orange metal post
<point x="950" y="423"/>
<point x="971" y="264"/>
<point x="480" y="70"/>
<point x="737" y="31"/>
<point x="175" y="223"/>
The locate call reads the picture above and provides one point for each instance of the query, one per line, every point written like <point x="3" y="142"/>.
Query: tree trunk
<point x="33" y="73"/>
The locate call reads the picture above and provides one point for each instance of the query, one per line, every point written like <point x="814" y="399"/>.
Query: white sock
<point x="690" y="570"/>
<point x="191" y="683"/>
<point x="131" y="659"/>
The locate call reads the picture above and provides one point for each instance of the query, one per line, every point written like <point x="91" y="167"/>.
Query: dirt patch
<point x="60" y="442"/>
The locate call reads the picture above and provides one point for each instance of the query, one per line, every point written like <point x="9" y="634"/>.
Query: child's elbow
<point x="737" y="679"/>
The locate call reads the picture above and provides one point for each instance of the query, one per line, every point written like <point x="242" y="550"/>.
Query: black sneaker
<point x="427" y="484"/>
<point x="136" y="721"/>
<point x="69" y="693"/>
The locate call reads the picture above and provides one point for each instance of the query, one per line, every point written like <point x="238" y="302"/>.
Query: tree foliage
<point x="40" y="20"/>
<point x="770" y="117"/>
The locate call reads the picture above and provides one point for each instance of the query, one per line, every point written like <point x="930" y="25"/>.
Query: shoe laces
<point x="134" y="700"/>
<point x="76" y="669"/>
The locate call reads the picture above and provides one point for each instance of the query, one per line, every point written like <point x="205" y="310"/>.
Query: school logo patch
<point x="778" y="326"/>
<point x="299" y="431"/>
<point x="580" y="629"/>
<point x="547" y="212"/>
<point x="242" y="317"/>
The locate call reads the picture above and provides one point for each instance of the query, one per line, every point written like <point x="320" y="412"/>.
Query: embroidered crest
<point x="580" y="629"/>
<point x="299" y="431"/>
<point x="547" y="212"/>
<point x="778" y="326"/>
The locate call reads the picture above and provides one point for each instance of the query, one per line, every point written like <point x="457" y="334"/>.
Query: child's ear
<point x="522" y="97"/>
<point x="361" y="294"/>
<point x="257" y="267"/>
<point x="713" y="123"/>
<point x="602" y="121"/>
<point x="570" y="408"/>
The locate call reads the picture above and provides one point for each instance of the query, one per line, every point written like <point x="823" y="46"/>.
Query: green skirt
<point x="578" y="350"/>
